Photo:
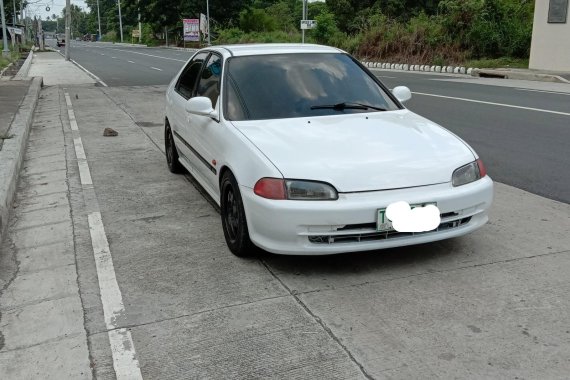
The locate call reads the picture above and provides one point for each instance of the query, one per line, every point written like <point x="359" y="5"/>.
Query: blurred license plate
<point x="383" y="224"/>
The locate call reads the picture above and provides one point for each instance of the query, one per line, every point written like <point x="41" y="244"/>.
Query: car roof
<point x="262" y="49"/>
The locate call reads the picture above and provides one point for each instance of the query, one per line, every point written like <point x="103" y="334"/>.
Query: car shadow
<point x="426" y="258"/>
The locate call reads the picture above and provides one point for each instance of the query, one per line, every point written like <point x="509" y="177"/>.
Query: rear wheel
<point x="234" y="222"/>
<point x="171" y="153"/>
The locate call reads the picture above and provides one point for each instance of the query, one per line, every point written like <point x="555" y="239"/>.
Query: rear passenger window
<point x="185" y="85"/>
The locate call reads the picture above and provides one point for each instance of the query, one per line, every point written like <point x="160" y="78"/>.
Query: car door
<point x="184" y="89"/>
<point x="204" y="131"/>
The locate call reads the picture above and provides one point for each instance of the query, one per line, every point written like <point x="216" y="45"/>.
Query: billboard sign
<point x="191" y="29"/>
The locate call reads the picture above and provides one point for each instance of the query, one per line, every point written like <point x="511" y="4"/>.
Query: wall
<point x="550" y="47"/>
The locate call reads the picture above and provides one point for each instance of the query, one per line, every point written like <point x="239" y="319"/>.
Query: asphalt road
<point x="521" y="131"/>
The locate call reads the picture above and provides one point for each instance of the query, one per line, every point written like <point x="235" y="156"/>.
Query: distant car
<point x="60" y="42"/>
<point x="304" y="149"/>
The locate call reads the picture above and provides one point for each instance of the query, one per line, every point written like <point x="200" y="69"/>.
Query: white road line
<point x="101" y="53"/>
<point x="385" y="76"/>
<point x="84" y="173"/>
<point x="91" y="74"/>
<point x="130" y="61"/>
<point x="494" y="104"/>
<point x="71" y="114"/>
<point x="125" y="362"/>
<point x="114" y="57"/>
<point x="156" y="68"/>
<point x="151" y="55"/>
<point x="549" y="92"/>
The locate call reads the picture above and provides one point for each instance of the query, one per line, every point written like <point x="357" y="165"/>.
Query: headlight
<point x="468" y="173"/>
<point x="310" y="191"/>
<point x="294" y="189"/>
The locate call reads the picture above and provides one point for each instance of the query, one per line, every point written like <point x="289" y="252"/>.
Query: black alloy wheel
<point x="171" y="153"/>
<point x="234" y="222"/>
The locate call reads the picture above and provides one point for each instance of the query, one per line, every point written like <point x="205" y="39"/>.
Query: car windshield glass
<point x="300" y="85"/>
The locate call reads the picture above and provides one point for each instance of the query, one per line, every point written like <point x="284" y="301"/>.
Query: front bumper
<point x="348" y="224"/>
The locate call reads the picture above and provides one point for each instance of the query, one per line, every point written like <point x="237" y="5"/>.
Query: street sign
<point x="308" y="24"/>
<point x="135" y="33"/>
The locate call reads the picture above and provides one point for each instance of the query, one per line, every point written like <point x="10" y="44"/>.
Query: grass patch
<point x="5" y="61"/>
<point x="519" y="63"/>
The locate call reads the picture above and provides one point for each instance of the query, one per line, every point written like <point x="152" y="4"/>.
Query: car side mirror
<point x="402" y="93"/>
<point x="200" y="105"/>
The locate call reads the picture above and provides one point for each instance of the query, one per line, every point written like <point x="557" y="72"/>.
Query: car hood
<point x="360" y="152"/>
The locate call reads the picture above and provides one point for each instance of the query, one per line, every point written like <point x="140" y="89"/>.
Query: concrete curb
<point x="6" y="68"/>
<point x="120" y="44"/>
<point x="25" y="69"/>
<point x="511" y="74"/>
<point x="13" y="149"/>
<point x="423" y="68"/>
<point x="177" y="48"/>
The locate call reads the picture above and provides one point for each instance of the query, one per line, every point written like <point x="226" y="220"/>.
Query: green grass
<point x="5" y="61"/>
<point x="504" y="62"/>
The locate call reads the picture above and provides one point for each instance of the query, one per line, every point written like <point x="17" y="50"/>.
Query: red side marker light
<point x="482" y="169"/>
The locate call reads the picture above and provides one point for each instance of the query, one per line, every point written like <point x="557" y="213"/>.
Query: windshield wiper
<point x="347" y="105"/>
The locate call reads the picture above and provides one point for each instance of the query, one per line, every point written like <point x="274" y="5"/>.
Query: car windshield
<point x="300" y="85"/>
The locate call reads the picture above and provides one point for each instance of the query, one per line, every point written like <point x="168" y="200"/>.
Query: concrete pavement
<point x="42" y="334"/>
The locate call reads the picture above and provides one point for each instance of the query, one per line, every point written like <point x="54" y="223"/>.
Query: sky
<point x="56" y="6"/>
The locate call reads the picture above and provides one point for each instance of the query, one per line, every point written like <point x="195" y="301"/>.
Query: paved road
<point x="521" y="132"/>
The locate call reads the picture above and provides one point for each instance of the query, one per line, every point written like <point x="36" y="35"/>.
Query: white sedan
<point x="304" y="150"/>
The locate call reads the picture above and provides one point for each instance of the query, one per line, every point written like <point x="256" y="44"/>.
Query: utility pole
<point x="5" y="50"/>
<point x="208" y="19"/>
<point x="120" y="20"/>
<point x="99" y="21"/>
<point x="140" y="28"/>
<point x="67" y="27"/>
<point x="304" y="18"/>
<point x="22" y="21"/>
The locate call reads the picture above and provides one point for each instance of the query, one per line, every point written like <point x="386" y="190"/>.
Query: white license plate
<point x="383" y="224"/>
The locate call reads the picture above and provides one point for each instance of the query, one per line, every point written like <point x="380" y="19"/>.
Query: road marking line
<point x="101" y="53"/>
<point x="130" y="61"/>
<point x="125" y="362"/>
<point x="84" y="173"/>
<point x="494" y="104"/>
<point x="67" y="100"/>
<point x="71" y="114"/>
<point x="79" y="151"/>
<point x="156" y="68"/>
<point x="385" y="76"/>
<point x="91" y="74"/>
<point x="151" y="55"/>
<point x="549" y="92"/>
<point x="114" y="57"/>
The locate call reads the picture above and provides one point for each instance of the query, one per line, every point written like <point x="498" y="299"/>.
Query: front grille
<point x="356" y="237"/>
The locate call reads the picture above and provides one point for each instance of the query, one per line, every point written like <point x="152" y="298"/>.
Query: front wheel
<point x="234" y="222"/>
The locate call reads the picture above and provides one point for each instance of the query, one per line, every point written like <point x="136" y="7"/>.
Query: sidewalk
<point x="42" y="333"/>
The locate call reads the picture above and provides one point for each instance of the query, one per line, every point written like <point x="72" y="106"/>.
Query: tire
<point x="171" y="153"/>
<point x="234" y="222"/>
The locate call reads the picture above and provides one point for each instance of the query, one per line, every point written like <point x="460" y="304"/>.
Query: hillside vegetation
<point x="415" y="31"/>
<point x="434" y="32"/>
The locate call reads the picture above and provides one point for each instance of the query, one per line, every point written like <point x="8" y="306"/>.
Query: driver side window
<point x="187" y="81"/>
<point x="209" y="84"/>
